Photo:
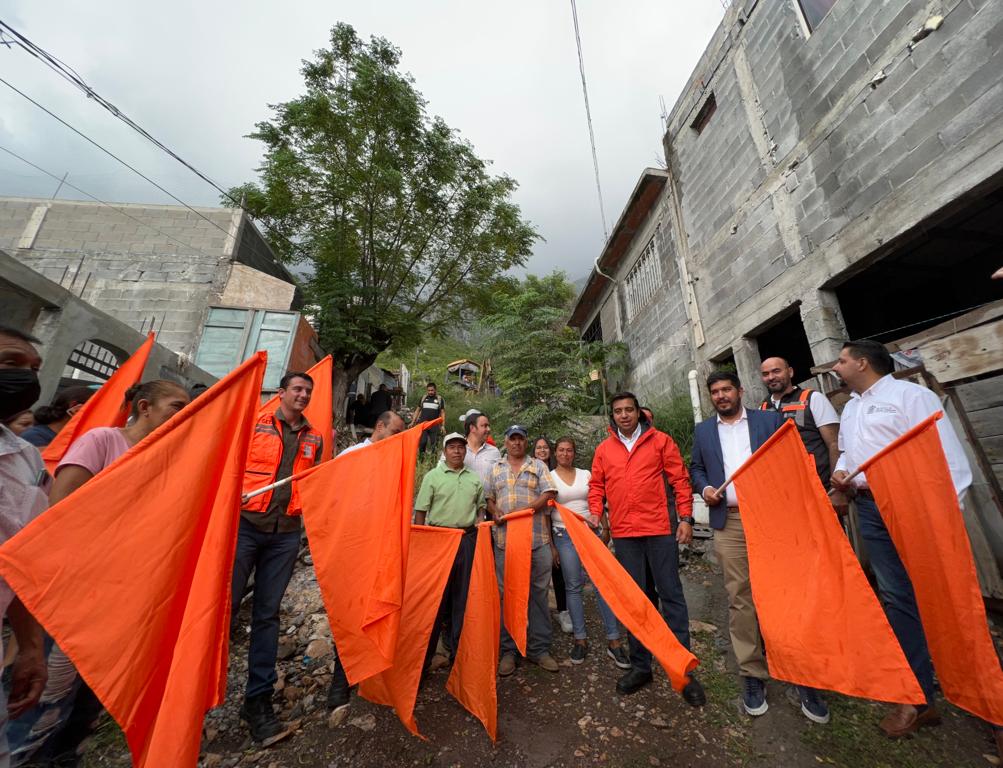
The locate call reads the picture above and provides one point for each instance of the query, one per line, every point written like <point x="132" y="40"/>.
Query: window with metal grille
<point x="643" y="280"/>
<point x="594" y="331"/>
<point x="92" y="362"/>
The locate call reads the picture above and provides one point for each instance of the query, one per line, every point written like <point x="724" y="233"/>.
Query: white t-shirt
<point x="356" y="447"/>
<point x="821" y="409"/>
<point x="575" y="496"/>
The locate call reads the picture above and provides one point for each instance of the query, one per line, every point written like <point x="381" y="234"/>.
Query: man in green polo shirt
<point x="451" y="496"/>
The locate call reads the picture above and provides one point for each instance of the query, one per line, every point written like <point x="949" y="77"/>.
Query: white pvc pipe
<point x="694" y="396"/>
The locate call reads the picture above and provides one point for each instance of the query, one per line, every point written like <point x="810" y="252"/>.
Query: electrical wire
<point x="111" y="154"/>
<point x="588" y="118"/>
<point x="74" y="78"/>
<point x="139" y="221"/>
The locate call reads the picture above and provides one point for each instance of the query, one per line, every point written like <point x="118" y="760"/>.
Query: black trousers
<point x="454" y="598"/>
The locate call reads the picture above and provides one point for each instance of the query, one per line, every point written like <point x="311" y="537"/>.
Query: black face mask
<point x="19" y="389"/>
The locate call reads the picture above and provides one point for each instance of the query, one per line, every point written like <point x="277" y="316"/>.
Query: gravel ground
<point x="572" y="718"/>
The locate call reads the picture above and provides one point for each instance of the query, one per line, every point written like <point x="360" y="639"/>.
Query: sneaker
<point x="813" y="705"/>
<point x="754" y="697"/>
<point x="265" y="728"/>
<point x="619" y="656"/>
<point x="507" y="665"/>
<point x="546" y="662"/>
<point x="564" y="618"/>
<point x="578" y="651"/>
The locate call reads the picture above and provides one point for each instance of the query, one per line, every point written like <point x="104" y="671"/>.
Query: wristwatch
<point x="686" y="519"/>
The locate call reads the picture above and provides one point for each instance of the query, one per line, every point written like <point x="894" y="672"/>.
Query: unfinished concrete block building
<point x="203" y="279"/>
<point x="834" y="171"/>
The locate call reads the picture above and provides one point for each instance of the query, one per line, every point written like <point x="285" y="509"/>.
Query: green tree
<point x="401" y="225"/>
<point x="542" y="366"/>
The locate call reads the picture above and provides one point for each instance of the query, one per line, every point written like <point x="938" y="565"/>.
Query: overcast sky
<point x="198" y="76"/>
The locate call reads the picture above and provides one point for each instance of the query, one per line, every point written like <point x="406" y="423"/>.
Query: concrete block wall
<point x="805" y="169"/>
<point x="62" y="322"/>
<point x="142" y="263"/>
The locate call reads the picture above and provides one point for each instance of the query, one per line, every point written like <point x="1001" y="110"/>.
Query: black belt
<point x="470" y="530"/>
<point x="865" y="493"/>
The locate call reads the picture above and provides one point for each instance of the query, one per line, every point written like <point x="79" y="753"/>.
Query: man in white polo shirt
<point x="880" y="410"/>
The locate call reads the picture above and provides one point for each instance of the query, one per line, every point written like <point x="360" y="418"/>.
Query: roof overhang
<point x="639" y="205"/>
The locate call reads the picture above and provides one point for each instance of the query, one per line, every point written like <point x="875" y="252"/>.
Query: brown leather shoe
<point x="507" y="665"/>
<point x="905" y="719"/>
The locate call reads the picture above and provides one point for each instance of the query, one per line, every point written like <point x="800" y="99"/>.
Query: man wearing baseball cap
<point x="517" y="482"/>
<point x="452" y="496"/>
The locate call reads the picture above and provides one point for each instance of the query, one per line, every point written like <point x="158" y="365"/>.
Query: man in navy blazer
<point x="721" y="444"/>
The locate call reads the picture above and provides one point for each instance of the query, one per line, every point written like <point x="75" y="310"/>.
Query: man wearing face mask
<point x="23" y="487"/>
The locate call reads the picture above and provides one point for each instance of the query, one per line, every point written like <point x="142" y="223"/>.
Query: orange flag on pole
<point x="474" y="676"/>
<point x="517" y="574"/>
<point x="131" y="573"/>
<point x="630" y="605"/>
<point x="105" y="408"/>
<point x="912" y="486"/>
<point x="320" y="412"/>
<point x="357" y="511"/>
<point x="430" y="559"/>
<point x="821" y="622"/>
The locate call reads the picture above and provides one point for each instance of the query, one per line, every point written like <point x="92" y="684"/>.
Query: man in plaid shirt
<point x="518" y="482"/>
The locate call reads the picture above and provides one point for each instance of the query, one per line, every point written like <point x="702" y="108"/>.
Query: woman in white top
<point x="573" y="492"/>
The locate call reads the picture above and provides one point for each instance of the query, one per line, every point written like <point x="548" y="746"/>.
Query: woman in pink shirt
<point x="77" y="708"/>
<point x="153" y="403"/>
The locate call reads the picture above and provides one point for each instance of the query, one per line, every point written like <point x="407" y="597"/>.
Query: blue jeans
<point x="539" y="633"/>
<point x="662" y="554"/>
<point x="272" y="557"/>
<point x="896" y="593"/>
<point x="574" y="580"/>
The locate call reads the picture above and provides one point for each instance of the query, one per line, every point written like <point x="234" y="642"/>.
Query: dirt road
<point x="573" y="718"/>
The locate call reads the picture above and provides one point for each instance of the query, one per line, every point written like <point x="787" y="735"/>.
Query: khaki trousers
<point x="746" y="641"/>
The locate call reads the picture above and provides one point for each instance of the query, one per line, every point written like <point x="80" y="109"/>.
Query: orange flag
<point x="821" y="622"/>
<point x="912" y="486"/>
<point x="320" y="412"/>
<point x="430" y="559"/>
<point x="131" y="573"/>
<point x="105" y="408"/>
<point x="474" y="676"/>
<point x="518" y="572"/>
<point x="357" y="511"/>
<point x="627" y="601"/>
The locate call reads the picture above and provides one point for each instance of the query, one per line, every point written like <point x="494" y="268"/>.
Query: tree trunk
<point x="343" y="376"/>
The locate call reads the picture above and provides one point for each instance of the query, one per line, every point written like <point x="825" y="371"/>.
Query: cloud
<point x="199" y="75"/>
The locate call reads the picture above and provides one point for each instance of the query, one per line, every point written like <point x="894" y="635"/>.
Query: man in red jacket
<point x="629" y="471"/>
